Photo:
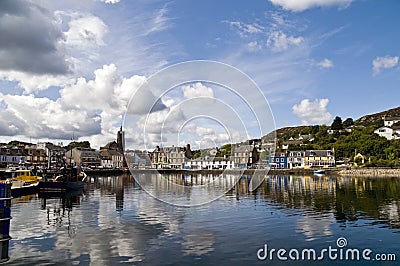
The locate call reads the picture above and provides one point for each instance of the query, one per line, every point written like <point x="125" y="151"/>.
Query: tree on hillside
<point x="337" y="123"/>
<point x="348" y="122"/>
<point x="74" y="144"/>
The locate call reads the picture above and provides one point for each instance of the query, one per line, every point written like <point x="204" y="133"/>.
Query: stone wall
<point x="372" y="172"/>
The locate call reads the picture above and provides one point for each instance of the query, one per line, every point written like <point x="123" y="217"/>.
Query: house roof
<point x="383" y="128"/>
<point x="394" y="118"/>
<point x="244" y="148"/>
<point x="110" y="146"/>
<point x="169" y="149"/>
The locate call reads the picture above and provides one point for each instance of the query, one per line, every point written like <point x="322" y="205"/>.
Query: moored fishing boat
<point x="24" y="182"/>
<point x="70" y="179"/>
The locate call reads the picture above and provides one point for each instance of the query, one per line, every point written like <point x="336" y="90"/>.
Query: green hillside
<point x="378" y="151"/>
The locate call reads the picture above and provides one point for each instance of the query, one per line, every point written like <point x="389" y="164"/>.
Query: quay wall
<point x="371" y="172"/>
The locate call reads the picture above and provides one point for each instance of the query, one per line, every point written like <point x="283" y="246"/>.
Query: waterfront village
<point x="254" y="154"/>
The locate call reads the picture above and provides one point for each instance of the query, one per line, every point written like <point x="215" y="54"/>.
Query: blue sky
<point x="70" y="67"/>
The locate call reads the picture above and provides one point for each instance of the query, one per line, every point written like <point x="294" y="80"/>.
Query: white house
<point x="209" y="163"/>
<point x="385" y="131"/>
<point x="389" y="121"/>
<point x="295" y="159"/>
<point x="388" y="132"/>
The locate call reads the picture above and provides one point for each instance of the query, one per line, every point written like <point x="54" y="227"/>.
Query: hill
<point x="376" y="119"/>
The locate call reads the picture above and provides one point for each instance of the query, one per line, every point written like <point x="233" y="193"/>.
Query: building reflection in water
<point x="116" y="185"/>
<point x="324" y="199"/>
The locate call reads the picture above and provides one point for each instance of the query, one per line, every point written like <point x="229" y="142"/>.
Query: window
<point x="282" y="160"/>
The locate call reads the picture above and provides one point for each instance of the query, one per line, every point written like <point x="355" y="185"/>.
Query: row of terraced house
<point x="303" y="159"/>
<point x="244" y="156"/>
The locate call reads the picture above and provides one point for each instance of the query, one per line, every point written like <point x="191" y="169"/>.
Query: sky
<point x="80" y="69"/>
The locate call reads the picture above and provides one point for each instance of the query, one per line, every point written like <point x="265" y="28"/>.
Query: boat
<point x="319" y="172"/>
<point x="23" y="182"/>
<point x="70" y="179"/>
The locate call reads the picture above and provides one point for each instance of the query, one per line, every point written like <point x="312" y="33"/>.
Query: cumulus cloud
<point x="384" y="63"/>
<point x="325" y="63"/>
<point x="44" y="118"/>
<point x="197" y="90"/>
<point x="32" y="83"/>
<point x="312" y="112"/>
<point x="107" y="91"/>
<point x="279" y="41"/>
<point x="301" y="5"/>
<point x="85" y="31"/>
<point x="31" y="39"/>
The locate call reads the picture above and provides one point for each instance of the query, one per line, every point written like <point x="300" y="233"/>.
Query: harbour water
<point x="115" y="222"/>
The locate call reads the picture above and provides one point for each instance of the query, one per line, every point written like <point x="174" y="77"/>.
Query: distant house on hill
<point x="390" y="121"/>
<point x="388" y="132"/>
<point x="285" y="144"/>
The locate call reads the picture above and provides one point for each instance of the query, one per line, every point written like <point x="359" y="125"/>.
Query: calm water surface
<point x="116" y="222"/>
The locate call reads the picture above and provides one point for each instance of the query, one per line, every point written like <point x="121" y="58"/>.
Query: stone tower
<point x="121" y="140"/>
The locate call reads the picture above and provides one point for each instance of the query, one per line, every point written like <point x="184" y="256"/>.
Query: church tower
<point x="121" y="140"/>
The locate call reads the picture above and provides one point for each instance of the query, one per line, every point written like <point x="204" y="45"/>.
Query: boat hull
<point x="23" y="191"/>
<point x="60" y="186"/>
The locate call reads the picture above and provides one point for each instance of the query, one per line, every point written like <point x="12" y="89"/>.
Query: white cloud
<point x="384" y="63"/>
<point x="253" y="46"/>
<point x="245" y="29"/>
<point x="197" y="90"/>
<point x="107" y="91"/>
<point x="45" y="118"/>
<point x="110" y="1"/>
<point x="32" y="83"/>
<point x="279" y="41"/>
<point x="85" y="31"/>
<point x="160" y="21"/>
<point x="312" y="112"/>
<point x="325" y="63"/>
<point x="301" y="5"/>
